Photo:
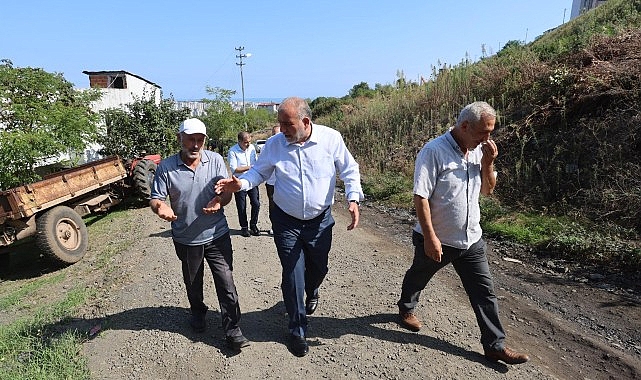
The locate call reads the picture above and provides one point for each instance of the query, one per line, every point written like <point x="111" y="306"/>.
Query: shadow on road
<point x="269" y="325"/>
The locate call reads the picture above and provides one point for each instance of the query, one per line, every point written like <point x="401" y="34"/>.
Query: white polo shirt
<point x="239" y="157"/>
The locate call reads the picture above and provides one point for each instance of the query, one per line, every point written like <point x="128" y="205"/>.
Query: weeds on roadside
<point x="30" y="348"/>
<point x="38" y="347"/>
<point x="25" y="290"/>
<point x="394" y="189"/>
<point x="561" y="236"/>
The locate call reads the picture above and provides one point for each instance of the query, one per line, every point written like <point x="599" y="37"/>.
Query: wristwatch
<point x="355" y="201"/>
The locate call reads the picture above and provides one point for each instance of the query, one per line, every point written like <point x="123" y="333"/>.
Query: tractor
<point x="141" y="171"/>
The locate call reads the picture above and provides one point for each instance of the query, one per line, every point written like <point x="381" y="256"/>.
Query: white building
<point x="580" y="6"/>
<point x="271" y="107"/>
<point x="120" y="88"/>
<point x="197" y="108"/>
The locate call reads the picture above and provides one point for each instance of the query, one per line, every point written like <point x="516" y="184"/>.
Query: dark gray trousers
<point x="218" y="254"/>
<point x="473" y="269"/>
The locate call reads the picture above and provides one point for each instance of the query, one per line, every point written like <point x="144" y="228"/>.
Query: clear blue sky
<point x="302" y="48"/>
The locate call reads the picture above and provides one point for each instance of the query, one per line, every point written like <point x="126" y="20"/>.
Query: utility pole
<point x="240" y="63"/>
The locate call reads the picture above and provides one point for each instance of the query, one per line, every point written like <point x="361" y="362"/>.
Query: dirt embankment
<point x="571" y="329"/>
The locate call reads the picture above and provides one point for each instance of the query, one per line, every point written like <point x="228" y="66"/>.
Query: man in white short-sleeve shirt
<point x="451" y="172"/>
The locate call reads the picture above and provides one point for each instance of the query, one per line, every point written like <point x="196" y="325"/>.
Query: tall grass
<point x="608" y="19"/>
<point x="567" y="130"/>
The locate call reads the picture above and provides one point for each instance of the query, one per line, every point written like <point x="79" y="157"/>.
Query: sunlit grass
<point x="27" y="289"/>
<point x="31" y="348"/>
<point x="394" y="189"/>
<point x="561" y="236"/>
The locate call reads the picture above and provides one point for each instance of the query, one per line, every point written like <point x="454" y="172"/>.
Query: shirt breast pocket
<point x="323" y="168"/>
<point x="453" y="173"/>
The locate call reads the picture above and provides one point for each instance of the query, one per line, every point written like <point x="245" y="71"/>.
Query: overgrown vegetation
<point x="568" y="131"/>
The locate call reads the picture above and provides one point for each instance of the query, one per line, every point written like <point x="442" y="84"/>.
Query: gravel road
<point x="139" y="326"/>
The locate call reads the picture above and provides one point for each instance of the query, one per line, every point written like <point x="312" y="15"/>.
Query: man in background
<point x="242" y="157"/>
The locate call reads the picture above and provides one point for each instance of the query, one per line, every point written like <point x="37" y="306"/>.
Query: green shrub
<point x="395" y="189"/>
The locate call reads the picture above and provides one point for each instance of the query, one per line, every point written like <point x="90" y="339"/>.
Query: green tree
<point x="361" y="90"/>
<point x="384" y="89"/>
<point x="323" y="106"/>
<point x="220" y="118"/>
<point x="142" y="127"/>
<point x="41" y="117"/>
<point x="259" y="119"/>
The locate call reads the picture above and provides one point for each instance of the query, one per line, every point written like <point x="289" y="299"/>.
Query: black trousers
<point x="218" y="254"/>
<point x="473" y="269"/>
<point x="270" y="196"/>
<point x="241" y="206"/>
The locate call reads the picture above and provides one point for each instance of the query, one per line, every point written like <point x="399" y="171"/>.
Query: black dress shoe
<point x="197" y="322"/>
<point x="298" y="345"/>
<point x="237" y="342"/>
<point x="310" y="305"/>
<point x="244" y="232"/>
<point x="254" y="230"/>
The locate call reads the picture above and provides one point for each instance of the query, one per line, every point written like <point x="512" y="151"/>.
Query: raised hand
<point x="230" y="185"/>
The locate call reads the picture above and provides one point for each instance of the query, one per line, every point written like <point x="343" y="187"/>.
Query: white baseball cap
<point x="191" y="126"/>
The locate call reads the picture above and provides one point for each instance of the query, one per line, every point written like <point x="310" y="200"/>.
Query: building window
<point x="117" y="82"/>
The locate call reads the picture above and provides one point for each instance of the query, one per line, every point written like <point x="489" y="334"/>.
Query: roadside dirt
<point x="574" y="325"/>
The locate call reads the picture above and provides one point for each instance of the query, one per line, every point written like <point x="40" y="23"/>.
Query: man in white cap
<point x="199" y="226"/>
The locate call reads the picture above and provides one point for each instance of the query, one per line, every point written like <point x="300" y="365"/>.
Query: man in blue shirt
<point x="242" y="157"/>
<point x="199" y="226"/>
<point x="305" y="159"/>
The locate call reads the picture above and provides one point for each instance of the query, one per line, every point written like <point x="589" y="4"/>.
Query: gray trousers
<point x="473" y="269"/>
<point x="218" y="254"/>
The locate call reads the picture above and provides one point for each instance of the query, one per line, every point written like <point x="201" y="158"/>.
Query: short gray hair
<point x="302" y="108"/>
<point x="472" y="112"/>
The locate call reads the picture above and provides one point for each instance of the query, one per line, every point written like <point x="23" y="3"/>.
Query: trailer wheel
<point x="62" y="234"/>
<point x="144" y="173"/>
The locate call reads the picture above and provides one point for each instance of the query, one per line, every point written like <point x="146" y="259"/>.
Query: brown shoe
<point x="409" y="321"/>
<point x="507" y="356"/>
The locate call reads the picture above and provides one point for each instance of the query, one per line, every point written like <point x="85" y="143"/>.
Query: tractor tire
<point x="62" y="235"/>
<point x="143" y="177"/>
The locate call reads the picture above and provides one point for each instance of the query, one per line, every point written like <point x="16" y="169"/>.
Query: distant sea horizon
<point x="247" y="100"/>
